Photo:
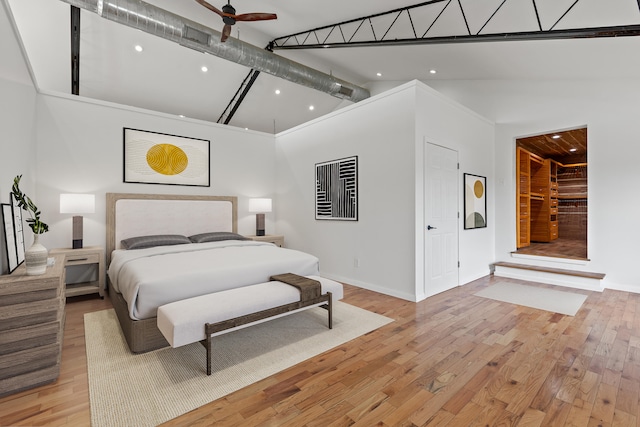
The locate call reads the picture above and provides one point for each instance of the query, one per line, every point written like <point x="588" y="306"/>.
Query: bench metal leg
<point x="329" y="307"/>
<point x="330" y="304"/>
<point x="208" y="354"/>
<point x="211" y="328"/>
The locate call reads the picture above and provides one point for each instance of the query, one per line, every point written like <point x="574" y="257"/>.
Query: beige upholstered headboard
<point x="131" y="215"/>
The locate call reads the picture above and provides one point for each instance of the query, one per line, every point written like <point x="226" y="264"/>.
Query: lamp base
<point x="260" y="224"/>
<point x="77" y="232"/>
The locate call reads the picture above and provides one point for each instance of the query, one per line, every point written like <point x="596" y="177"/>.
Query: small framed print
<point x="475" y="201"/>
<point x="337" y="189"/>
<point x="10" y="237"/>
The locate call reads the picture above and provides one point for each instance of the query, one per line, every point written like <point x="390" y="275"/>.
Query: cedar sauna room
<point x="551" y="199"/>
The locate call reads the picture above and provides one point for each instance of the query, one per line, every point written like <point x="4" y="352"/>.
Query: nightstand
<point x="84" y="270"/>
<point x="275" y="239"/>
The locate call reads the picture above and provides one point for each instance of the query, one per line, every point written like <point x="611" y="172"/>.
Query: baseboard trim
<point x="370" y="287"/>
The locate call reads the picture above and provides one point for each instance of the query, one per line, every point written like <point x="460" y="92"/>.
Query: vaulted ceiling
<point x="461" y="34"/>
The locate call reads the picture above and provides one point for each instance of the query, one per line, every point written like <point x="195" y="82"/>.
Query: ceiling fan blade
<point x="226" y="31"/>
<point x="211" y="7"/>
<point x="255" y="16"/>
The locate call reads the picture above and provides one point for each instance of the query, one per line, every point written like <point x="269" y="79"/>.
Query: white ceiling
<point x="166" y="77"/>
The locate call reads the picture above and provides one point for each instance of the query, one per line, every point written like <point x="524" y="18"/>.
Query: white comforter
<point x="149" y="278"/>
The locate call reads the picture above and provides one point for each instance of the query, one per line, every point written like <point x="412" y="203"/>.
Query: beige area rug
<point x="531" y="296"/>
<point x="147" y="389"/>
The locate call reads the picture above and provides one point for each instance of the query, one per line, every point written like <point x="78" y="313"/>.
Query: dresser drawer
<point x="82" y="259"/>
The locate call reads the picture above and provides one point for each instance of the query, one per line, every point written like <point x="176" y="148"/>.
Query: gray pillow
<point x="141" y="242"/>
<point x="217" y="236"/>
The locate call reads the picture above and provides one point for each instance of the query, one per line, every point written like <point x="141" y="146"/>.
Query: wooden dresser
<point x="31" y="327"/>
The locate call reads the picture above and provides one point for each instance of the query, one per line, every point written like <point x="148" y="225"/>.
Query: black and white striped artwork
<point x="337" y="189"/>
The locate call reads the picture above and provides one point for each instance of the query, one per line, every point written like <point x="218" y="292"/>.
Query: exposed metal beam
<point x="564" y="14"/>
<point x="464" y="16"/>
<point x="75" y="50"/>
<point x="354" y="32"/>
<point x="239" y="96"/>
<point x="491" y="17"/>
<point x="535" y="8"/>
<point x="578" y="33"/>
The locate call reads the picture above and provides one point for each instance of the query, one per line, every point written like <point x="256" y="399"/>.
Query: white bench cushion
<point x="182" y="322"/>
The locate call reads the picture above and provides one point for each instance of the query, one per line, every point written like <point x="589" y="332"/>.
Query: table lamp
<point x="77" y="204"/>
<point x="259" y="207"/>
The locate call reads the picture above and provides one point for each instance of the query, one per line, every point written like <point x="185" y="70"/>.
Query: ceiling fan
<point x="229" y="17"/>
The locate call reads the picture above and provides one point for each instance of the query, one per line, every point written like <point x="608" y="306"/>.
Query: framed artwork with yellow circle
<point x="475" y="201"/>
<point x="159" y="158"/>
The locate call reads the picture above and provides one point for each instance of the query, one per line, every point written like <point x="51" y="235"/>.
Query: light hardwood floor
<point x="452" y="360"/>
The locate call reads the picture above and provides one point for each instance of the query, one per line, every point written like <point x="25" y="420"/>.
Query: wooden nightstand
<point x="275" y="239"/>
<point x="92" y="258"/>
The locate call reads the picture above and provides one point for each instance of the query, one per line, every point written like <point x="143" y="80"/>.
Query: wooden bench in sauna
<point x="204" y="317"/>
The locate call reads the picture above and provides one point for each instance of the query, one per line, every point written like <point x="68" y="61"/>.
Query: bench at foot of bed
<point x="204" y="317"/>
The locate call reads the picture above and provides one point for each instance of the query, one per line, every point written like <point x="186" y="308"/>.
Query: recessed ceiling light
<point x="204" y="69"/>
<point x="555" y="136"/>
<point x="432" y="71"/>
<point x="277" y="91"/>
<point x="379" y="74"/>
<point x="138" y="48"/>
<point x="311" y="108"/>
<point x="573" y="149"/>
<point x="181" y="115"/>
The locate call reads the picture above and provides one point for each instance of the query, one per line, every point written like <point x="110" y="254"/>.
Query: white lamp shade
<point x="259" y="205"/>
<point x="77" y="203"/>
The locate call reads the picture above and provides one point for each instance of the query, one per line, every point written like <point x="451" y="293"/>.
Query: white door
<point x="441" y="219"/>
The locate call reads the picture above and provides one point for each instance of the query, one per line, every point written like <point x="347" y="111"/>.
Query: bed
<point x="142" y="279"/>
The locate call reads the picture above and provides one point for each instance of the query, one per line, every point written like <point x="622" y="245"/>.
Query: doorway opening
<point x="552" y="194"/>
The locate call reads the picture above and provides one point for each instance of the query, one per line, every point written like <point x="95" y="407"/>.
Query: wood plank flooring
<point x="452" y="360"/>
<point x="559" y="248"/>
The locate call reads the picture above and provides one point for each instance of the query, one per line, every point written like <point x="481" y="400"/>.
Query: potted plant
<point x="35" y="258"/>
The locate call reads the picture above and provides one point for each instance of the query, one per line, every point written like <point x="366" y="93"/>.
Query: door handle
<point x="431" y="228"/>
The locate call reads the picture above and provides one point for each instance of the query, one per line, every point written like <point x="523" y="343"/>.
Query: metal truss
<point x="242" y="91"/>
<point x="237" y="99"/>
<point x="416" y="25"/>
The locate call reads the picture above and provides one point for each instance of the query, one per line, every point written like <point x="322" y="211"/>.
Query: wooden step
<point x="587" y="274"/>
<point x="555" y="276"/>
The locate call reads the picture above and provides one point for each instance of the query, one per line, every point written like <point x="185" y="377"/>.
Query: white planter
<point x="35" y="258"/>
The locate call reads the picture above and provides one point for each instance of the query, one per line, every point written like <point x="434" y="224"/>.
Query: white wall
<point x="17" y="115"/>
<point x="444" y="122"/>
<point x="609" y="109"/>
<point x="381" y="133"/>
<point x="80" y="150"/>
<point x="387" y="133"/>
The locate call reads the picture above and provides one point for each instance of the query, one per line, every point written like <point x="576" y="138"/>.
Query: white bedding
<point x="149" y="278"/>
